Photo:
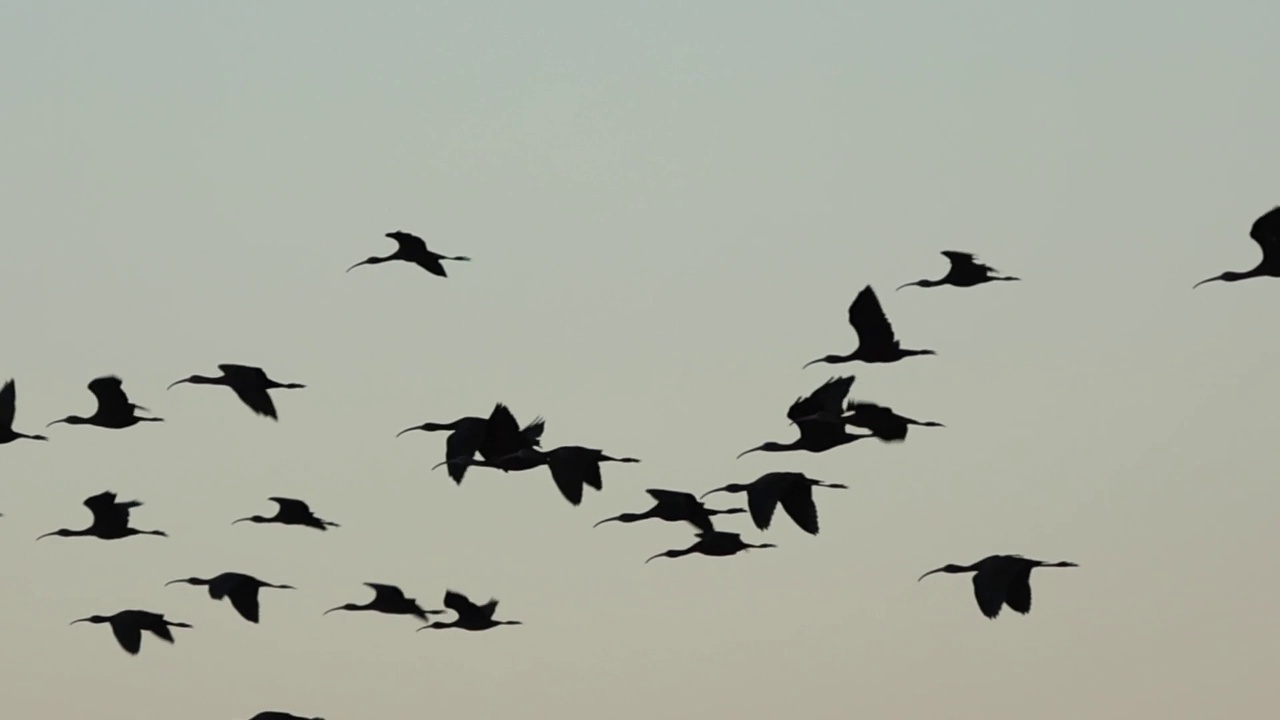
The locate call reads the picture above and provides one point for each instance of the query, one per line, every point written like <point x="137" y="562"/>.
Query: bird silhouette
<point x="290" y="512"/>
<point x="1265" y="232"/>
<point x="8" y="404"/>
<point x="277" y="715"/>
<point x="674" y="506"/>
<point x="241" y="589"/>
<point x="115" y="411"/>
<point x="572" y="467"/>
<point x="495" y="437"/>
<point x="809" y="414"/>
<point x="1001" y="580"/>
<point x="110" y="520"/>
<point x="965" y="271"/>
<point x="794" y="490"/>
<point x="471" y="616"/>
<point x="412" y="249"/>
<point x="389" y="600"/>
<point x="127" y="626"/>
<point x="876" y="340"/>
<point x="716" y="543"/>
<point x="249" y="383"/>
<point x="883" y="422"/>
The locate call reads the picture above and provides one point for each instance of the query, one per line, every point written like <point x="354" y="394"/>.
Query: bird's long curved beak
<point x="177" y="382"/>
<point x="245" y="519"/>
<point x="428" y="626"/>
<point x="616" y="517"/>
<point x="48" y="534"/>
<point x="910" y="284"/>
<point x="811" y="362"/>
<point x="744" y="452"/>
<point x="719" y="489"/>
<point x="655" y="557"/>
<point x="353" y="267"/>
<point x="415" y="427"/>
<point x="1215" y="277"/>
<point x="171" y="582"/>
<point x="73" y="622"/>
<point x="326" y="612"/>
<point x="928" y="574"/>
<point x="55" y="422"/>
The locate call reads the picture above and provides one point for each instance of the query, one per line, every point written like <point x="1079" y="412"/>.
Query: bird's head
<point x="1229" y="276"/>
<point x="252" y="519"/>
<point x="730" y="488"/>
<point x="95" y="619"/>
<point x="188" y="581"/>
<point x="624" y="518"/>
<point x="948" y="568"/>
<point x="347" y="606"/>
<point x="917" y="283"/>
<point x="765" y="447"/>
<point x="824" y="359"/>
<point x="187" y="379"/>
<point x="69" y="420"/>
<point x="666" y="554"/>
<point x="366" y="261"/>
<point x="63" y="532"/>
<point x="428" y="427"/>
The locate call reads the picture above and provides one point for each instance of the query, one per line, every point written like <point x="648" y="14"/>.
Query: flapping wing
<point x="129" y="636"/>
<point x="290" y="506"/>
<point x="8" y="401"/>
<point x="826" y="399"/>
<point x="869" y="321"/>
<point x="460" y="603"/>
<point x="408" y="242"/>
<point x="250" y="385"/>
<point x="503" y="436"/>
<point x="464" y="443"/>
<point x="1266" y="232"/>
<point x="1018" y="591"/>
<point x="109" y="390"/>
<point x="244" y="598"/>
<point x="797" y="501"/>
<point x="387" y="593"/>
<point x="989" y="586"/>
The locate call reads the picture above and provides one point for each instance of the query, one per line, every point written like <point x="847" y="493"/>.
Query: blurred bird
<point x="290" y="512"/>
<point x="127" y="625"/>
<point x="809" y="414"/>
<point x="965" y="271"/>
<point x="8" y="405"/>
<point x="1265" y="232"/>
<point x="115" y="411"/>
<point x="794" y="490"/>
<point x="495" y="437"/>
<point x="110" y="520"/>
<point x="883" y="422"/>
<point x="715" y="544"/>
<point x="1001" y="580"/>
<point x="412" y="249"/>
<point x="876" y="340"/>
<point x="572" y="467"/>
<point x="277" y="715"/>
<point x="241" y="589"/>
<point x="249" y="383"/>
<point x="674" y="506"/>
<point x="471" y="616"/>
<point x="389" y="600"/>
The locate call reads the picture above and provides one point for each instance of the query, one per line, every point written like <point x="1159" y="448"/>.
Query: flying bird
<point x="1001" y="580"/>
<point x="412" y="249"/>
<point x="277" y="715"/>
<point x="8" y="404"/>
<point x="881" y="421"/>
<point x="110" y="520"/>
<point x="715" y="544"/>
<point x="249" y="383"/>
<point x="794" y="490"/>
<point x="809" y="414"/>
<point x="572" y="467"/>
<point x="876" y="340"/>
<point x="127" y="625"/>
<point x="495" y="437"/>
<point x="115" y="411"/>
<point x="471" y="616"/>
<point x="241" y="589"/>
<point x="290" y="512"/>
<point x="965" y="271"/>
<point x="674" y="506"/>
<point x="1265" y="232"/>
<point x="389" y="600"/>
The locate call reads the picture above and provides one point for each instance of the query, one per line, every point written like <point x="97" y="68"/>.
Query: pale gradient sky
<point x="669" y="206"/>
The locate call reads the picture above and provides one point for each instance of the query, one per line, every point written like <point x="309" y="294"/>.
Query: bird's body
<point x="110" y="520"/>
<point x="277" y="715"/>
<point x="8" y="406"/>
<point x="290" y="511"/>
<point x="716" y="543"/>
<point x="240" y="588"/>
<point x="115" y="411"/>
<point x="1001" y="580"/>
<point x="810" y="413"/>
<point x="412" y="248"/>
<point x="877" y="342"/>
<point x="127" y="626"/>
<point x="494" y="438"/>
<point x="881" y="421"/>
<point x="965" y="271"/>
<point x="571" y="466"/>
<point x="389" y="600"/>
<point x="470" y="616"/>
<point x="792" y="489"/>
<point x="1266" y="232"/>
<point x="249" y="383"/>
<point x="675" y="506"/>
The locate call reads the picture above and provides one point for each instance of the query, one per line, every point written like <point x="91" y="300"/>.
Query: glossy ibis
<point x="494" y="437"/>
<point x="249" y="383"/>
<point x="1265" y="232"/>
<point x="389" y="600"/>
<point x="277" y="715"/>
<point x="115" y="411"/>
<point x="883" y="422"/>
<point x="470" y="615"/>
<point x="876" y="340"/>
<point x="127" y="625"/>
<point x="110" y="520"/>
<point x="807" y="413"/>
<point x="716" y="543"/>
<point x="290" y="512"/>
<point x="1001" y="580"/>
<point x="674" y="506"/>
<point x="965" y="271"/>
<point x="8" y="404"/>
<point x="241" y="589"/>
<point x="794" y="490"/>
<point x="572" y="467"/>
<point x="412" y="249"/>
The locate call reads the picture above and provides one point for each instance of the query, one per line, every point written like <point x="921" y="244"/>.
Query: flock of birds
<point x="498" y="441"/>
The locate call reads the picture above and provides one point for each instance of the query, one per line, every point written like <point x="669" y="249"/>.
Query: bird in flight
<point x="110" y="520"/>
<point x="127" y="625"/>
<point x="965" y="271"/>
<point x="571" y="466"/>
<point x="495" y="437"/>
<point x="674" y="506"/>
<point x="471" y="616"/>
<point x="876" y="340"/>
<point x="1265" y="232"/>
<point x="716" y="543"/>
<point x="277" y="715"/>
<point x="794" y="490"/>
<point x="8" y="405"/>
<point x="249" y="383"/>
<point x="115" y="411"/>
<point x="1001" y="580"/>
<point x="881" y="421"/>
<point x="389" y="600"/>
<point x="412" y="249"/>
<point x="290" y="512"/>
<point x="241" y="589"/>
<point x="809" y="413"/>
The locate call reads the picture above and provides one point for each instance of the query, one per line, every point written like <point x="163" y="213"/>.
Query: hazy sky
<point x="669" y="206"/>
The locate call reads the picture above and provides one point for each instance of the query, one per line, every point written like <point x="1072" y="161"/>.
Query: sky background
<point x="669" y="207"/>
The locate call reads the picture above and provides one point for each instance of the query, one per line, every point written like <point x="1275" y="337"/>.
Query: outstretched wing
<point x="869" y="321"/>
<point x="1018" y="591"/>
<point x="408" y="242"/>
<point x="580" y="466"/>
<point x="463" y="444"/>
<point x="250" y="385"/>
<point x="503" y="435"/>
<point x="290" y="506"/>
<point x="532" y="432"/>
<point x="129" y="636"/>
<point x="244" y="598"/>
<point x="797" y="501"/>
<point x="460" y="603"/>
<point x="826" y="399"/>
<point x="989" y="588"/>
<point x="109" y="390"/>
<point x="386" y="593"/>
<point x="8" y="401"/>
<point x="967" y="263"/>
<point x="1266" y="232"/>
